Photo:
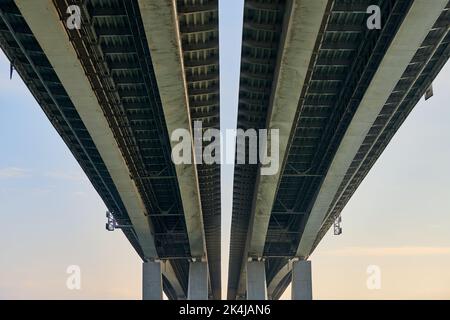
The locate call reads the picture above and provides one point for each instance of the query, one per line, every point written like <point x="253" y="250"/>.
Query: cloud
<point x="389" y="251"/>
<point x="12" y="172"/>
<point x="69" y="176"/>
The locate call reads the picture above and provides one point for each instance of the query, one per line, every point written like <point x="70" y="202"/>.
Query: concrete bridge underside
<point x="337" y="92"/>
<point x="103" y="91"/>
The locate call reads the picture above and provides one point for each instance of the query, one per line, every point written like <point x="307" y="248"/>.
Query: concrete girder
<point x="163" y="37"/>
<point x="412" y="32"/>
<point x="281" y="274"/>
<point x="300" y="31"/>
<point x="415" y="27"/>
<point x="50" y="32"/>
<point x="170" y="275"/>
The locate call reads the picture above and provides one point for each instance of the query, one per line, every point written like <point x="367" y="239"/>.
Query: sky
<point x="52" y="218"/>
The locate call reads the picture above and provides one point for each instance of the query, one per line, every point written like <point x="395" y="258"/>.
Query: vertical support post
<point x="256" y="280"/>
<point x="301" y="280"/>
<point x="198" y="281"/>
<point x="152" y="281"/>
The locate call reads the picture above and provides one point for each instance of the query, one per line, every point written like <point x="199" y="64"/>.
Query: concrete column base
<point x="152" y="281"/>
<point x="256" y="280"/>
<point x="301" y="280"/>
<point x="198" y="281"/>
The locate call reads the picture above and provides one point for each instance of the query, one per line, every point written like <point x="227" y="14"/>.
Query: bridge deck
<point x="343" y="64"/>
<point x="113" y="51"/>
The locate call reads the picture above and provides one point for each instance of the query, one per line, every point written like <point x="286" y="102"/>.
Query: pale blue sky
<point x="230" y="25"/>
<point x="52" y="217"/>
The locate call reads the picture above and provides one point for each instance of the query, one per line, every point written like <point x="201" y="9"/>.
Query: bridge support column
<point x="301" y="280"/>
<point x="152" y="281"/>
<point x="198" y="281"/>
<point x="256" y="280"/>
